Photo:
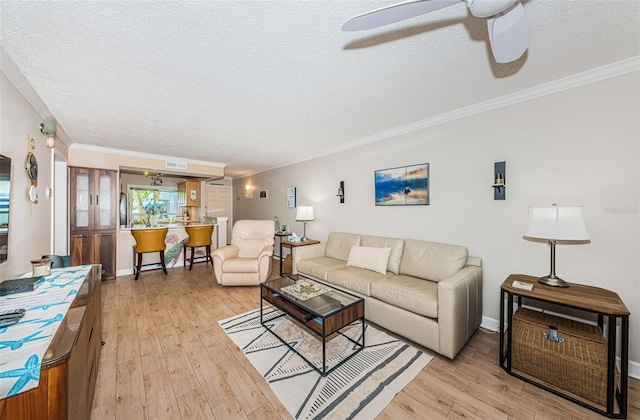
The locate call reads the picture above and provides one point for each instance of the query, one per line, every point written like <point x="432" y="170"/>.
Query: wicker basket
<point x="577" y="365"/>
<point x="287" y="267"/>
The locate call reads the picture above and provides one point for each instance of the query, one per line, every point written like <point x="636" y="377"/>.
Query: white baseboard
<point x="494" y="325"/>
<point x="128" y="271"/>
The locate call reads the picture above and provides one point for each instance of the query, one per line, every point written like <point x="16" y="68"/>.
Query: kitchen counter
<point x="177" y="233"/>
<point x="163" y="225"/>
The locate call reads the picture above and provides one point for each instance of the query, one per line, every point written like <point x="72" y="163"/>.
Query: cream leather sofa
<point x="431" y="292"/>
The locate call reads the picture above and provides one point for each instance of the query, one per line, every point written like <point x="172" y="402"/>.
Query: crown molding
<point x="13" y="73"/>
<point x="108" y="150"/>
<point x="590" y="76"/>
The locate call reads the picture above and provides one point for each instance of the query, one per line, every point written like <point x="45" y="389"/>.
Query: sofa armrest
<point x="459" y="309"/>
<point x="307" y="252"/>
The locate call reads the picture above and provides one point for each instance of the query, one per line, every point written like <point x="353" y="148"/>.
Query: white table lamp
<point x="304" y="214"/>
<point x="556" y="224"/>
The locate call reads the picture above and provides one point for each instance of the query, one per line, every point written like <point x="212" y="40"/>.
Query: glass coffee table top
<point x="313" y="296"/>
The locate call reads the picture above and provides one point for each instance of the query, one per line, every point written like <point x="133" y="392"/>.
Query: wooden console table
<point x="70" y="365"/>
<point x="590" y="299"/>
<point x="292" y="245"/>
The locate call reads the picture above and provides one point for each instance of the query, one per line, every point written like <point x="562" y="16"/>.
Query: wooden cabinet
<point x="70" y="364"/>
<point x="93" y="199"/>
<point x="189" y="194"/>
<point x="95" y="248"/>
<point x="93" y="207"/>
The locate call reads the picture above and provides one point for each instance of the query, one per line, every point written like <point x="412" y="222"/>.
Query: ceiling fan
<point x="507" y="22"/>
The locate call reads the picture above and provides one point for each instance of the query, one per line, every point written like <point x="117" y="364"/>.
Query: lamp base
<point x="552" y="280"/>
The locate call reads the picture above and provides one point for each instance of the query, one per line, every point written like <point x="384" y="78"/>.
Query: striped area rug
<point x="360" y="388"/>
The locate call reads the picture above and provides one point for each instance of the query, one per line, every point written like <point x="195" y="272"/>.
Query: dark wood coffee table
<point x="322" y="315"/>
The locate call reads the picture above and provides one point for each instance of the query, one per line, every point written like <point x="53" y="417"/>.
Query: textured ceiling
<point x="257" y="84"/>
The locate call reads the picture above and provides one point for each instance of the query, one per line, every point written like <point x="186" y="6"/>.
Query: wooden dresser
<point x="70" y="365"/>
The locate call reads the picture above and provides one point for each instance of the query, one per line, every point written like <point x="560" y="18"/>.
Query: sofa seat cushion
<point x="240" y="265"/>
<point x="358" y="280"/>
<point x="410" y="293"/>
<point x="319" y="267"/>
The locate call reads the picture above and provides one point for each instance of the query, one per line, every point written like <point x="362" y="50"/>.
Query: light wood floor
<point x="165" y="357"/>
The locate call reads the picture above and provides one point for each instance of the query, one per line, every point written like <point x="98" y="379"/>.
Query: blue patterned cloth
<point x="23" y="345"/>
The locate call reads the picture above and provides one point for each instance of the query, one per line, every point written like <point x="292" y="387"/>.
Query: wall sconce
<point x="248" y="193"/>
<point x="499" y="180"/>
<point x="48" y="128"/>
<point x="341" y="192"/>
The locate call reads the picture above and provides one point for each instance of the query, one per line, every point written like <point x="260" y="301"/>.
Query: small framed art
<point x="291" y="197"/>
<point x="263" y="194"/>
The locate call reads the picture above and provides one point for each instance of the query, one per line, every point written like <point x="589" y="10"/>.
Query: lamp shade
<point x="556" y="223"/>
<point x="304" y="214"/>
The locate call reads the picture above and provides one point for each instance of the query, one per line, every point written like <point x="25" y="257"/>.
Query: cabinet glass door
<point x="105" y="217"/>
<point x="81" y="200"/>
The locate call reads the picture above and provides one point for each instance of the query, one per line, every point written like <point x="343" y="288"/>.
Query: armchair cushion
<point x="240" y="265"/>
<point x="249" y="247"/>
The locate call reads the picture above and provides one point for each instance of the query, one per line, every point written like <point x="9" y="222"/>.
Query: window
<point x="164" y="201"/>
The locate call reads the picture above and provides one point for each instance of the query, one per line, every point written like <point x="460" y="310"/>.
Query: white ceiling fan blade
<point x="486" y="8"/>
<point x="509" y="34"/>
<point x="395" y="13"/>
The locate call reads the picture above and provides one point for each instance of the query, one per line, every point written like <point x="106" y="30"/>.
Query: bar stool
<point x="198" y="236"/>
<point x="148" y="240"/>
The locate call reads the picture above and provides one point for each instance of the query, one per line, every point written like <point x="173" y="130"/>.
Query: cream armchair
<point x="247" y="261"/>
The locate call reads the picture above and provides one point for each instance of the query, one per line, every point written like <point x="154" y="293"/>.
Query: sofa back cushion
<point x="431" y="260"/>
<point x="395" y="244"/>
<point x="339" y="245"/>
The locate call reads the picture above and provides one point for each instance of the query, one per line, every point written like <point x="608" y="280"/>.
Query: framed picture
<point x="262" y="194"/>
<point x="291" y="197"/>
<point x="404" y="186"/>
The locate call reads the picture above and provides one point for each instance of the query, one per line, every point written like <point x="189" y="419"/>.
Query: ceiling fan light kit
<point x="507" y="22"/>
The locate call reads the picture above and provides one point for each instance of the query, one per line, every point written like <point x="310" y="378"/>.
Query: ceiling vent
<point x="175" y="165"/>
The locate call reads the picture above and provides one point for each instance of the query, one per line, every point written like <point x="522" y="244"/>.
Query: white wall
<point x="576" y="147"/>
<point x="61" y="206"/>
<point x="30" y="227"/>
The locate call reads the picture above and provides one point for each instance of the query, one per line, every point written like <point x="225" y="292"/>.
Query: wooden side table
<point x="292" y="245"/>
<point x="591" y="299"/>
